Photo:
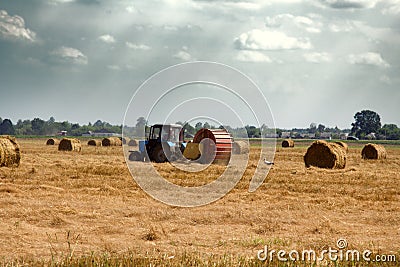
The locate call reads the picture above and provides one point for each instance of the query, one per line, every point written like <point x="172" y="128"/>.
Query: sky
<point x="315" y="61"/>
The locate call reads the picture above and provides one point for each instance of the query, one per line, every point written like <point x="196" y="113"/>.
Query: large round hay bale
<point x="288" y="143"/>
<point x="111" y="141"/>
<point x="240" y="147"/>
<point x="52" y="142"/>
<point x="10" y="154"/>
<point x="125" y="140"/>
<point x="325" y="155"/>
<point x="132" y="142"/>
<point x="70" y="144"/>
<point x="94" y="142"/>
<point x="373" y="151"/>
<point x="343" y="145"/>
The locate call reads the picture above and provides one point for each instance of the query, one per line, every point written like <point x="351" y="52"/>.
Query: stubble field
<point x="60" y="206"/>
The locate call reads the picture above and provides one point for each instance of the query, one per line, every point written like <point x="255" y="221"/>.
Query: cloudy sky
<point x="315" y="61"/>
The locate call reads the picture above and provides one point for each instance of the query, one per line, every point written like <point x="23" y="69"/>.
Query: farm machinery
<point x="166" y="143"/>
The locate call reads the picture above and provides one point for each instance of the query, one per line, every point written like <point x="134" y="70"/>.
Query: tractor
<point x="163" y="143"/>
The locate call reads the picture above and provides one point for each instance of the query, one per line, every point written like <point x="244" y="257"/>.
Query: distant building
<point x="327" y="135"/>
<point x="285" y="135"/>
<point x="308" y="135"/>
<point x="62" y="133"/>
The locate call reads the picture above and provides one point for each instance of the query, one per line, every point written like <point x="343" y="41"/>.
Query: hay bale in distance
<point x="373" y="151"/>
<point x="240" y="147"/>
<point x="325" y="155"/>
<point x="111" y="141"/>
<point x="343" y="145"/>
<point x="94" y="142"/>
<point x="125" y="140"/>
<point x="70" y="144"/>
<point x="132" y="142"/>
<point x="52" y="142"/>
<point x="288" y="143"/>
<point x="10" y="154"/>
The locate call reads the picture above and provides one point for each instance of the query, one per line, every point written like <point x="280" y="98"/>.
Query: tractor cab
<point x="164" y="142"/>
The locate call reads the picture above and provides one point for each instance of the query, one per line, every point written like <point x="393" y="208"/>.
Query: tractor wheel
<point x="159" y="155"/>
<point x="135" y="156"/>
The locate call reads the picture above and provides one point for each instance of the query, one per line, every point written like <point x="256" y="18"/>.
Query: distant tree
<point x="198" y="126"/>
<point x="366" y="122"/>
<point x="98" y="123"/>
<point x="37" y="126"/>
<point x="6" y="127"/>
<point x="313" y="127"/>
<point x="321" y="128"/>
<point x="390" y="132"/>
<point x="1" y="120"/>
<point x="206" y="125"/>
<point x="253" y="131"/>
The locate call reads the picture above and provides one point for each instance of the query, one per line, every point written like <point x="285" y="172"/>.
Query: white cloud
<point x="13" y="27"/>
<point x="301" y="22"/>
<point x="344" y="26"/>
<point x="131" y="9"/>
<point x="392" y="7"/>
<point x="243" y="5"/>
<point x="183" y="55"/>
<point x="137" y="46"/>
<point x="369" y="58"/>
<point x="270" y="40"/>
<point x="68" y="54"/>
<point x="252" y="56"/>
<point x="317" y="57"/>
<point x="109" y="39"/>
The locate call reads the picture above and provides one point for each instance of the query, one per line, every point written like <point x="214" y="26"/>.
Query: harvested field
<point x="87" y="203"/>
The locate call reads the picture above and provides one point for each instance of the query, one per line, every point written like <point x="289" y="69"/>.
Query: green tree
<point x="6" y="127"/>
<point x="366" y="122"/>
<point x="37" y="126"/>
<point x="198" y="126"/>
<point x="390" y="132"/>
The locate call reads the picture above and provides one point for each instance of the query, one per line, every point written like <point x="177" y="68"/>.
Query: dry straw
<point x="94" y="142"/>
<point x="10" y="154"/>
<point x="325" y="155"/>
<point x="343" y="144"/>
<point x="125" y="140"/>
<point x="52" y="142"/>
<point x="373" y="151"/>
<point x="111" y="141"/>
<point x="132" y="142"/>
<point x="240" y="147"/>
<point x="288" y="143"/>
<point x="70" y="144"/>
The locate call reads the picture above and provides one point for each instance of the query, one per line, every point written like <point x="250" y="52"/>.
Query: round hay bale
<point x="240" y="147"/>
<point x="10" y="154"/>
<point x="94" y="142"/>
<point x="125" y="140"/>
<point x="343" y="145"/>
<point x="70" y="144"/>
<point x="373" y="151"/>
<point x="52" y="142"/>
<point x="132" y="142"/>
<point x="288" y="143"/>
<point x="111" y="141"/>
<point x="325" y="155"/>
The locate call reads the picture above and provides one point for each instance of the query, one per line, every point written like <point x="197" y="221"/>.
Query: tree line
<point x="367" y="125"/>
<point x="51" y="127"/>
